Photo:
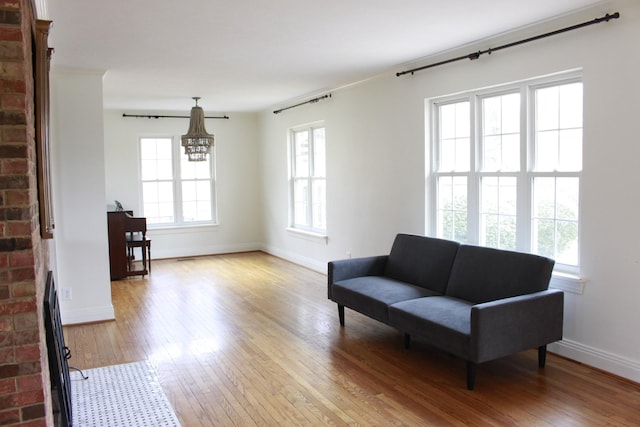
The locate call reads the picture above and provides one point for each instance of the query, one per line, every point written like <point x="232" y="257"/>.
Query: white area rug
<point x="121" y="395"/>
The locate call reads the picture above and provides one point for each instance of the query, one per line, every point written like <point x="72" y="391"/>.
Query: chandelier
<point x="197" y="141"/>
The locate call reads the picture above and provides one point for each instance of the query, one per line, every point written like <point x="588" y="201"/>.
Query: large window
<point x="308" y="187"/>
<point x="175" y="191"/>
<point x="507" y="165"/>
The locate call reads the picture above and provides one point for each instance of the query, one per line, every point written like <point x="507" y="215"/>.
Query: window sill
<point x="308" y="235"/>
<point x="567" y="282"/>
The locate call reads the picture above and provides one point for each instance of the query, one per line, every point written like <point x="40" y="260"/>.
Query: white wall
<point x="376" y="175"/>
<point x="376" y="169"/>
<point x="77" y="164"/>
<point x="237" y="193"/>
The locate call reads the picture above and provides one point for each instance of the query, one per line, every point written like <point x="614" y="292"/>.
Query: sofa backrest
<point x="482" y="274"/>
<point x="421" y="261"/>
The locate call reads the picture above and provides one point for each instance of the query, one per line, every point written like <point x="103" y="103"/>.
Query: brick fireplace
<point x="25" y="396"/>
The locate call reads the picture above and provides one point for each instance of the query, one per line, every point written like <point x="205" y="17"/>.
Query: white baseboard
<point x="202" y="251"/>
<point x="88" y="315"/>
<point x="312" y="264"/>
<point x="597" y="358"/>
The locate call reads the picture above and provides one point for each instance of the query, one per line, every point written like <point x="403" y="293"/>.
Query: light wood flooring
<point x="252" y="340"/>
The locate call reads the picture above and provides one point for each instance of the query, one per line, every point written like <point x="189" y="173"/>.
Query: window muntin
<point x="308" y="179"/>
<point x="519" y="189"/>
<point x="174" y="190"/>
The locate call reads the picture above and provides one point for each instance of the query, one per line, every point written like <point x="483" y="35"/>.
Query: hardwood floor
<point x="249" y="339"/>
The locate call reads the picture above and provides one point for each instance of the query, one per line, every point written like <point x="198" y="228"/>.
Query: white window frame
<point x="304" y="229"/>
<point x="177" y="154"/>
<point x="525" y="176"/>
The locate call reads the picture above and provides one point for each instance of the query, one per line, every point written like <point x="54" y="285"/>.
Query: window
<point x="507" y="165"/>
<point x="308" y="187"/>
<point x="175" y="191"/>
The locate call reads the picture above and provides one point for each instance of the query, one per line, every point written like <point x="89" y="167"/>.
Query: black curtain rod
<point x="311" y="101"/>
<point x="476" y="55"/>
<point x="170" y="117"/>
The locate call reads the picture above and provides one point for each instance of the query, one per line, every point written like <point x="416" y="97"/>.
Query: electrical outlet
<point x="348" y="254"/>
<point x="67" y="294"/>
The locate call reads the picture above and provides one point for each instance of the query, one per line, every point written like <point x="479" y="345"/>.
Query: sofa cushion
<point x="371" y="295"/>
<point x="422" y="261"/>
<point x="443" y="321"/>
<point x="482" y="274"/>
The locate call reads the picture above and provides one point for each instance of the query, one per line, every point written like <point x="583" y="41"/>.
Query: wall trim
<point x="597" y="358"/>
<point x="178" y="252"/>
<point x="88" y="315"/>
<point x="310" y="263"/>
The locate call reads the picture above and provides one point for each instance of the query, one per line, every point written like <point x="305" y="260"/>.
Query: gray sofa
<point x="476" y="303"/>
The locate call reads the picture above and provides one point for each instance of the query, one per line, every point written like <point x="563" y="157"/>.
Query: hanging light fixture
<point x="197" y="141"/>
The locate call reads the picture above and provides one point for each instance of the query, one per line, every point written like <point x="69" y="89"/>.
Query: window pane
<point x="555" y="220"/>
<point x="196" y="201"/>
<point x="194" y="170"/>
<point x="567" y="252"/>
<point x="300" y="202"/>
<point x="510" y="153"/>
<point x="301" y="153"/>
<point x="559" y="128"/>
<point x="570" y="150"/>
<point x="150" y="192"/>
<point x="189" y="191"/>
<point x="148" y="169"/>
<point x="547" y="108"/>
<point x="319" y="204"/>
<point x="510" y="113"/>
<point x="547" y="151"/>
<point x="452" y="208"/>
<point x="156" y="160"/>
<point x="189" y="211"/>
<point x="156" y="170"/>
<point x="319" y="153"/>
<point x="454" y="137"/>
<point x="157" y="202"/>
<point x="501" y="133"/>
<point x="498" y="212"/>
<point x="492" y="153"/>
<point x="571" y="106"/>
<point x="147" y="148"/>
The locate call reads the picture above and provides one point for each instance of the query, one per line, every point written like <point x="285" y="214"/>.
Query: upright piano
<point x="127" y="232"/>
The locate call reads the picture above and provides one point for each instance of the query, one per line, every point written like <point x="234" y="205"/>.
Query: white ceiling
<point x="248" y="55"/>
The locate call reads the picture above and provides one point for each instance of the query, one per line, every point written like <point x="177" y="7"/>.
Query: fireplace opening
<point x="58" y="354"/>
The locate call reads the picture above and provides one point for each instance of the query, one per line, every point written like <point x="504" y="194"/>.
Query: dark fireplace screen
<point x="58" y="354"/>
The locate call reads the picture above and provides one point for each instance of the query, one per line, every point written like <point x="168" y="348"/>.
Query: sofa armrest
<point x="356" y="267"/>
<point x="510" y="325"/>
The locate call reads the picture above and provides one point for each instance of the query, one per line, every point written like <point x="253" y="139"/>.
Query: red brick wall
<point x="24" y="398"/>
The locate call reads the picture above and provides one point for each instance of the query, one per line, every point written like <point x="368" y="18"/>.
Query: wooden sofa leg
<point x="471" y="375"/>
<point x="407" y="341"/>
<point x="341" y="314"/>
<point x="542" y="356"/>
